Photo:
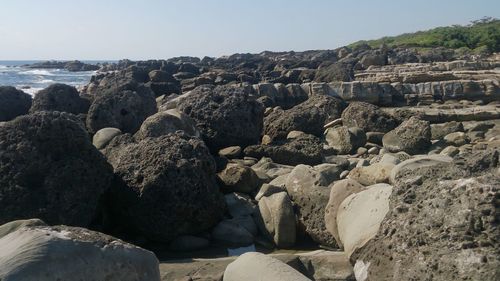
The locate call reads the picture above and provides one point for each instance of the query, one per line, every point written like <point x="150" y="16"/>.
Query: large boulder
<point x="256" y="266"/>
<point x="166" y="122"/>
<point x="340" y="190"/>
<point x="335" y="72"/>
<point x="168" y="185"/>
<point x="413" y="136"/>
<point x="309" y="190"/>
<point x="368" y="117"/>
<point x="124" y="109"/>
<point x="305" y="149"/>
<point x="442" y="225"/>
<point x="225" y="115"/>
<point x="308" y="117"/>
<point x="278" y="219"/>
<point x="13" y="102"/>
<point x="49" y="169"/>
<point x="60" y="97"/>
<point x="46" y="253"/>
<point x="359" y="216"/>
<point x="239" y="178"/>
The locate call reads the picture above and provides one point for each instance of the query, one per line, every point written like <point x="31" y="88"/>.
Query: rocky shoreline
<point x="360" y="164"/>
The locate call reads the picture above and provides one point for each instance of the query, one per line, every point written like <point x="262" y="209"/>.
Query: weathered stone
<point x="166" y="122"/>
<point x="345" y="140"/>
<point x="277" y="214"/>
<point x="412" y="136"/>
<point x="239" y="178"/>
<point x="104" y="136"/>
<point x="13" y="102"/>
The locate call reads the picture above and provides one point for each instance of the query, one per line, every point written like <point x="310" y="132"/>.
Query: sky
<point x="160" y="29"/>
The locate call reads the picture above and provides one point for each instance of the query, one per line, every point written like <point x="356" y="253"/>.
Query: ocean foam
<point x="37" y="72"/>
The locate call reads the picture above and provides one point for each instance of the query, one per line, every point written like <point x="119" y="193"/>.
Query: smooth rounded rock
<point x="104" y="136"/>
<point x="279" y="219"/>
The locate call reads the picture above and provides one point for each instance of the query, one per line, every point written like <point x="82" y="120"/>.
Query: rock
<point x="417" y="163"/>
<point x="124" y="109"/>
<point x="309" y="190"/>
<point x="360" y="215"/>
<point x="373" y="174"/>
<point x="344" y="175"/>
<point x="463" y="245"/>
<point x="239" y="204"/>
<point x="273" y="170"/>
<point x="456" y="139"/>
<point x="438" y="131"/>
<point x="13" y="103"/>
<point x="374" y="137"/>
<point x="174" y="173"/>
<point x="368" y="117"/>
<point x="232" y="233"/>
<point x="225" y="115"/>
<point x="373" y="150"/>
<point x="230" y="152"/>
<point x="257" y="266"/>
<point x="239" y="178"/>
<point x="167" y="122"/>
<point x="330" y="172"/>
<point x="104" y="136"/>
<point x="247" y="222"/>
<point x="187" y="243"/>
<point x="294" y="135"/>
<point x="160" y="76"/>
<point x="60" y="97"/>
<point x="308" y="117"/>
<point x="345" y="140"/>
<point x="305" y="149"/>
<point x="413" y="136"/>
<point x="46" y="252"/>
<point x="268" y="190"/>
<point x="48" y="167"/>
<point x="450" y="151"/>
<point x="335" y="72"/>
<point x="361" y="151"/>
<point x="339" y="191"/>
<point x="15" y="225"/>
<point x="277" y="214"/>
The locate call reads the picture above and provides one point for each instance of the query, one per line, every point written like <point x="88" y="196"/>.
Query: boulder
<point x="345" y="140"/>
<point x="239" y="204"/>
<point x="230" y="152"/>
<point x="273" y="170"/>
<point x="123" y="109"/>
<point x="456" y="139"/>
<point x="232" y="233"/>
<point x="448" y="212"/>
<point x="48" y="167"/>
<point x="104" y="136"/>
<point x="413" y="136"/>
<point x="46" y="253"/>
<point x="309" y="190"/>
<point x="368" y="117"/>
<point x="438" y="131"/>
<point x="372" y="174"/>
<point x="160" y="76"/>
<point x="60" y="97"/>
<point x="225" y="115"/>
<point x="166" y="122"/>
<point x="308" y="117"/>
<point x="335" y="72"/>
<point x="359" y="216"/>
<point x="239" y="178"/>
<point x="305" y="149"/>
<point x="417" y="163"/>
<point x="339" y="191"/>
<point x="256" y="266"/>
<point x="13" y="102"/>
<point x="278" y="218"/>
<point x="166" y="186"/>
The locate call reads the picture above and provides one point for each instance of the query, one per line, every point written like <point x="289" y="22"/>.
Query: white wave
<point x="46" y="81"/>
<point x="37" y="72"/>
<point x="32" y="91"/>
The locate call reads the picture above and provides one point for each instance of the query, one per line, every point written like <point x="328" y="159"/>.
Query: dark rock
<point x="168" y="185"/>
<point x="368" y="117"/>
<point x="335" y="72"/>
<point x="124" y="109"/>
<point x="305" y="149"/>
<point x="60" y="97"/>
<point x="413" y="136"/>
<point x="225" y="115"/>
<point x="308" y="117"/>
<point x="239" y="178"/>
<point x="13" y="102"/>
<point x="50" y="170"/>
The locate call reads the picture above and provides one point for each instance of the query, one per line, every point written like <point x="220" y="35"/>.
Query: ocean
<point x="12" y="73"/>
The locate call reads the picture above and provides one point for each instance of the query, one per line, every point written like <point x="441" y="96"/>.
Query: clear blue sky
<point x="142" y="29"/>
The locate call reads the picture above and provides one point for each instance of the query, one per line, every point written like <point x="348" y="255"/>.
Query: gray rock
<point x="230" y="152"/>
<point x="345" y="140"/>
<point x="417" y="163"/>
<point x="104" y="136"/>
<point x="438" y="131"/>
<point x="413" y="136"/>
<point x="46" y="251"/>
<point x="340" y="190"/>
<point x="372" y="174"/>
<point x="232" y="233"/>
<point x="239" y="204"/>
<point x="456" y="139"/>
<point x="239" y="178"/>
<point x="60" y="97"/>
<point x="167" y="122"/>
<point x="368" y="117"/>
<point x="268" y="190"/>
<point x="277" y="214"/>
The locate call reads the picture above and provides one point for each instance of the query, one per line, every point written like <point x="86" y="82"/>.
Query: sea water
<point x="32" y="80"/>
